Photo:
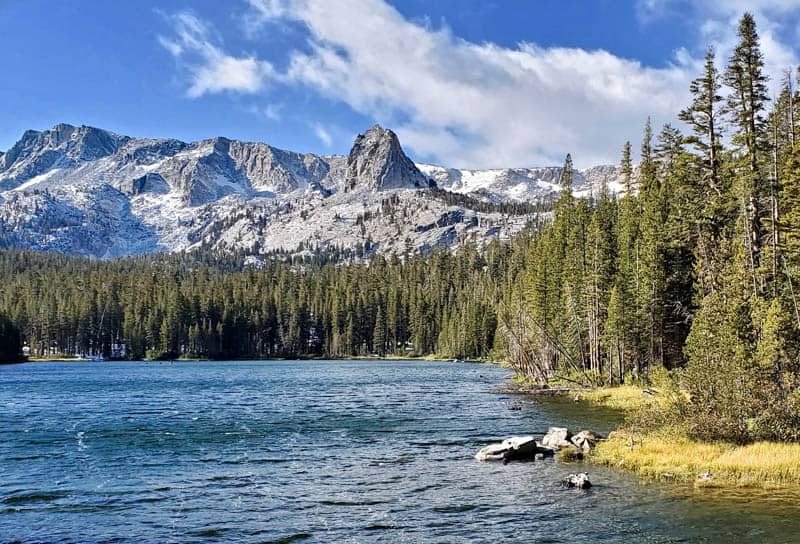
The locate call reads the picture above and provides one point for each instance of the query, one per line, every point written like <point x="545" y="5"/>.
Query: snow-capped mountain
<point x="87" y="191"/>
<point x="521" y="184"/>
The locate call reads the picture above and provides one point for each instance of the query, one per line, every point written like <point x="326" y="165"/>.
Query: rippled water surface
<point x="317" y="452"/>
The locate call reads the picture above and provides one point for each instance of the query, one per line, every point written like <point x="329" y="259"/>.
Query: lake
<point x="320" y="451"/>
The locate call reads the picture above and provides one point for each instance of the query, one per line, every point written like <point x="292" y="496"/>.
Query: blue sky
<point x="464" y="83"/>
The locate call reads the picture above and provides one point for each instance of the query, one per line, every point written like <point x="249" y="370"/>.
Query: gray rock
<point x="585" y="440"/>
<point x="377" y="161"/>
<point x="556" y="438"/>
<point x="578" y="481"/>
<point x="515" y="448"/>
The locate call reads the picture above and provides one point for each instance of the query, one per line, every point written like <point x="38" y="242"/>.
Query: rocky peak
<point x="62" y="146"/>
<point x="605" y="174"/>
<point x="220" y="145"/>
<point x="377" y="161"/>
<point x="81" y="143"/>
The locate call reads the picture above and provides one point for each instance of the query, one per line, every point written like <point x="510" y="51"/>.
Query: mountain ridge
<point x="88" y="191"/>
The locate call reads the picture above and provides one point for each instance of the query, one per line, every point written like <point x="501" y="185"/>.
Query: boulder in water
<point x="557" y="438"/>
<point x="578" y="481"/>
<point x="511" y="449"/>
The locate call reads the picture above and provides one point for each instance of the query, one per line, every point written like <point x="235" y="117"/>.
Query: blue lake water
<point x="323" y="451"/>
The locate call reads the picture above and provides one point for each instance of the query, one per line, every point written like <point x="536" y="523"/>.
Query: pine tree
<point x="628" y="280"/>
<point x="379" y="333"/>
<point x="720" y="373"/>
<point x="651" y="250"/>
<point x="703" y="116"/>
<point x="746" y="104"/>
<point x="749" y="93"/>
<point x="565" y="178"/>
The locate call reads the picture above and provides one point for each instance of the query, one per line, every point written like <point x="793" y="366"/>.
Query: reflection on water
<point x="320" y="452"/>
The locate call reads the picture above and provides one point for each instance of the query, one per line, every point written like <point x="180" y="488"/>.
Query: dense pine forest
<point x="694" y="268"/>
<point x="205" y="305"/>
<point x="690" y="278"/>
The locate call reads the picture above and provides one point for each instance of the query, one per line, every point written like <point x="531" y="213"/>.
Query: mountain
<point x="378" y="162"/>
<point x="88" y="191"/>
<point x="521" y="184"/>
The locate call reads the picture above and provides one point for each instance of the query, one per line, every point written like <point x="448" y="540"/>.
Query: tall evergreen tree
<point x="747" y="105"/>
<point x="703" y="116"/>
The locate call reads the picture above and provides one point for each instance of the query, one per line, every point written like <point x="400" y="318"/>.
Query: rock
<point x="578" y="481"/>
<point x="585" y="440"/>
<point x="539" y="456"/>
<point x="511" y="449"/>
<point x="705" y="476"/>
<point x="556" y="438"/>
<point x="377" y="161"/>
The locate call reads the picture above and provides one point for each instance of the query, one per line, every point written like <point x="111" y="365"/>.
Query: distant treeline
<point x="210" y="305"/>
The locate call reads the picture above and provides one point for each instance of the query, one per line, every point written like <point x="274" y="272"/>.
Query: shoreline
<point x="365" y="358"/>
<point x="670" y="456"/>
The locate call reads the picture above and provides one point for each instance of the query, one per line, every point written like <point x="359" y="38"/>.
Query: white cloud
<point x="323" y="134"/>
<point x="260" y="13"/>
<point x="272" y="112"/>
<point x="210" y="69"/>
<point x="477" y="105"/>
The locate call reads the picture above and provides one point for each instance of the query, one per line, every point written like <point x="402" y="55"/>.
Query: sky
<point x="464" y="83"/>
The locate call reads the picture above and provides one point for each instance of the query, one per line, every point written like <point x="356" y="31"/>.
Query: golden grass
<point x="669" y="456"/>
<point x="570" y="455"/>
<point x="623" y="397"/>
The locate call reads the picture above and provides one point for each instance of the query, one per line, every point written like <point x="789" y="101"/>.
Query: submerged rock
<point x="578" y="481"/>
<point x="516" y="448"/>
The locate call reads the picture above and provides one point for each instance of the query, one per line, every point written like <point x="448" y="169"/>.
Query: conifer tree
<point x="651" y="249"/>
<point x="703" y="116"/>
<point x="746" y="105"/>
<point x="628" y="280"/>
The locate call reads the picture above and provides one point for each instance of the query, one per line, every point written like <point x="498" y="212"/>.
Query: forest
<point x="690" y="277"/>
<point x="213" y="306"/>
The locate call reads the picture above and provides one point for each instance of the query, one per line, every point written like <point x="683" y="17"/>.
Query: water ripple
<point x="280" y="452"/>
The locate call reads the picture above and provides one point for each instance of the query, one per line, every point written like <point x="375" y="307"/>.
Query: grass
<point x="666" y="455"/>
<point x="623" y="397"/>
<point x="53" y="359"/>
<point x="570" y="455"/>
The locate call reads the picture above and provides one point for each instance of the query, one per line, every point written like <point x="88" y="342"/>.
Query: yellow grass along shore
<point x="668" y="454"/>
